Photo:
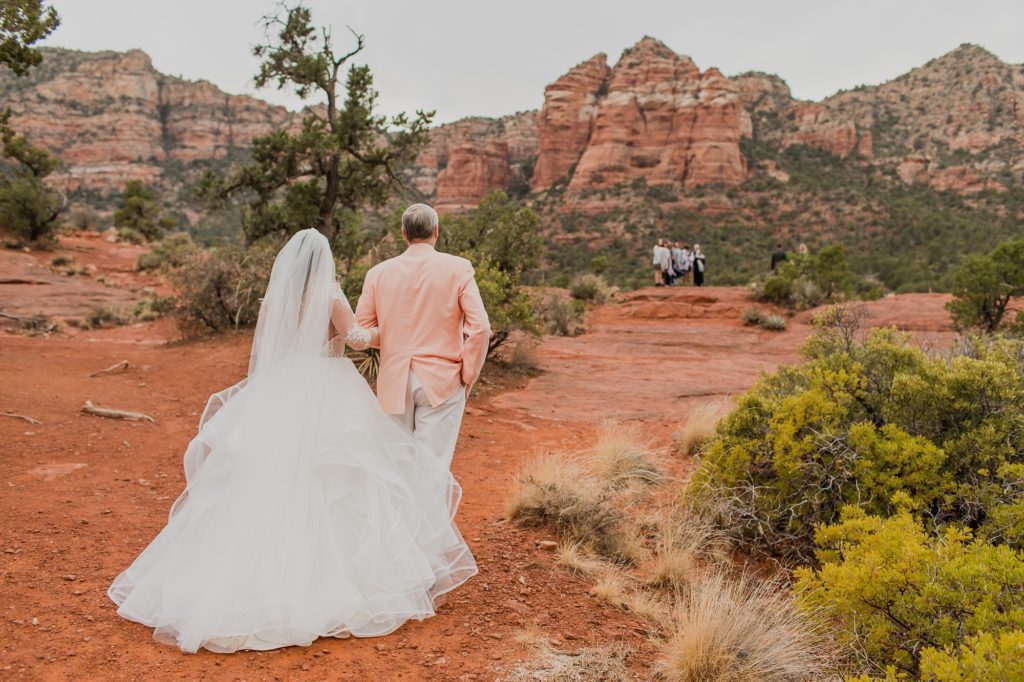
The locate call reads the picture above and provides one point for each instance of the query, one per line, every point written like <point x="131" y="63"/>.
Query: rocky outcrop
<point x="921" y="169"/>
<point x="956" y="123"/>
<point x="566" y="122"/>
<point x="967" y="100"/>
<point x="453" y="143"/>
<point x="654" y="116"/>
<point x="110" y="117"/>
<point x="473" y="170"/>
<point x="817" y="127"/>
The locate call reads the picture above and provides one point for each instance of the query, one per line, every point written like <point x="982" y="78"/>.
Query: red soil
<point x="83" y="495"/>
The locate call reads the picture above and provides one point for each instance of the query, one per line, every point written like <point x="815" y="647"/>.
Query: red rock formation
<point x="111" y="117"/>
<point x="567" y="119"/>
<point x="816" y="127"/>
<point x="658" y="119"/>
<point x="472" y="171"/>
<point x="518" y="132"/>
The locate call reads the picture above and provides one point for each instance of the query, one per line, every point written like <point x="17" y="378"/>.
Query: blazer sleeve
<point x="366" y="309"/>
<point x="476" y="329"/>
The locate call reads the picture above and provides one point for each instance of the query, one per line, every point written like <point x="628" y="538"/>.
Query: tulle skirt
<point x="308" y="513"/>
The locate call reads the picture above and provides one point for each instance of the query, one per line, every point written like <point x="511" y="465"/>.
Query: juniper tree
<point x="342" y="158"/>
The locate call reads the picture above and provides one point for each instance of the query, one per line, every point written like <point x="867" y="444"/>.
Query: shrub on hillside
<point x="864" y="422"/>
<point x="29" y="207"/>
<point x="590" y="288"/>
<point x="561" y="316"/>
<point x="220" y="290"/>
<point x="899" y="597"/>
<point x="174" y="251"/>
<point x="139" y="213"/>
<point x="808" y="280"/>
<point x="984" y="284"/>
<point x="773" y="323"/>
<point x="751" y="316"/>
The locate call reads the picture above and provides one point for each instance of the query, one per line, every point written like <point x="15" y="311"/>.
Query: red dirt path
<point x="83" y="495"/>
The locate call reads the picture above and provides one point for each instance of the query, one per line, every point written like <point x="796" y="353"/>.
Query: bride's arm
<point x="356" y="336"/>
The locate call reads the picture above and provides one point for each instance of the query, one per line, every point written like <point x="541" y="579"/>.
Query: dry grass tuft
<point x="649" y="607"/>
<point x="578" y="560"/>
<point x="556" y="490"/>
<point x="611" y="588"/>
<point x="674" y="566"/>
<point x="532" y="638"/>
<point x="741" y="630"/>
<point x="524" y="358"/>
<point x="622" y="455"/>
<point x="700" y="425"/>
<point x="585" y="665"/>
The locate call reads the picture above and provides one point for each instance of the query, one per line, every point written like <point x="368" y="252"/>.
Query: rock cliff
<point x="111" y="117"/>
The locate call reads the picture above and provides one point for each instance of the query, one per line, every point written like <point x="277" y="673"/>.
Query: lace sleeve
<point x="358" y="336"/>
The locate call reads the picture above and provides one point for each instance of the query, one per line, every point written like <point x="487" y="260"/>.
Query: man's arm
<point x="476" y="329"/>
<point x="366" y="309"/>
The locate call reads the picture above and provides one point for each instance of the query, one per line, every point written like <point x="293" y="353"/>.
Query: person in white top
<point x="659" y="278"/>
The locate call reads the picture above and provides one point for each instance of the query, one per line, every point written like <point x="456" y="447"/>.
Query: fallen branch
<point x="22" y="417"/>
<point x="111" y="413"/>
<point x="113" y="368"/>
<point x="34" y="319"/>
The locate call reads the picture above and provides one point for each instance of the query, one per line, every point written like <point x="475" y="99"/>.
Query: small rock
<point x="570" y="636"/>
<point x="69" y="577"/>
<point x="381" y="646"/>
<point x="496" y="656"/>
<point x="35" y="621"/>
<point x="441" y="661"/>
<point x="547" y="545"/>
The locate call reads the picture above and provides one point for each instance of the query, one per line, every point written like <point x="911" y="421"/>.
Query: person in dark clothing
<point x="778" y="255"/>
<point x="699" y="264"/>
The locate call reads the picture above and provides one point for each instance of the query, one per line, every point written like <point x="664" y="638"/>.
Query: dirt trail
<point x="83" y="495"/>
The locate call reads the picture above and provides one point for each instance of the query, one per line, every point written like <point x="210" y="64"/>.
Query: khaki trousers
<point x="436" y="427"/>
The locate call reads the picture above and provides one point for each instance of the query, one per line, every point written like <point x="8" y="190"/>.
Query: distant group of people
<point x="676" y="264"/>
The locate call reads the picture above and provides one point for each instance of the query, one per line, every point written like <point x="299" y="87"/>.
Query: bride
<point x="308" y="512"/>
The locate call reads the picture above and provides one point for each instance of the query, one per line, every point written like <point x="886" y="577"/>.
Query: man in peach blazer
<point x="434" y="333"/>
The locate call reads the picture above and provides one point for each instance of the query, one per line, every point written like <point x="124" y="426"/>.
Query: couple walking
<point x="312" y="508"/>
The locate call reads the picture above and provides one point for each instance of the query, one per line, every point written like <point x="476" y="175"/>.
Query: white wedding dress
<point x="308" y="511"/>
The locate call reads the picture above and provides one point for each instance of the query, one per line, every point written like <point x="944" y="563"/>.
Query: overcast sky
<point x="480" y="57"/>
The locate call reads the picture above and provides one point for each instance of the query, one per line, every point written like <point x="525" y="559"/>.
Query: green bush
<point x="773" y="323"/>
<point x="174" y="251"/>
<point x="589" y="287"/>
<point x="898" y="597"/>
<point x="29" y="207"/>
<point x="140" y="212"/>
<point x="751" y="316"/>
<point x="808" y="280"/>
<point x="984" y="284"/>
<point x="862" y="422"/>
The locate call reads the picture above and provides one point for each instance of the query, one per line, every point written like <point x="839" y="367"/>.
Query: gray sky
<point x="480" y="57"/>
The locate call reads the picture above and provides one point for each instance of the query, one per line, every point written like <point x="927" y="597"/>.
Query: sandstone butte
<point x="953" y="124"/>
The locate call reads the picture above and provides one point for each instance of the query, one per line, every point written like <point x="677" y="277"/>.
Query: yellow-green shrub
<point x="981" y="657"/>
<point x="862" y="421"/>
<point x="897" y="595"/>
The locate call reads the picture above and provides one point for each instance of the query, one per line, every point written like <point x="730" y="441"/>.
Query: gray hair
<point x="419" y="222"/>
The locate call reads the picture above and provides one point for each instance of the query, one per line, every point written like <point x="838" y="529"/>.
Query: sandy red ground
<point x="83" y="495"/>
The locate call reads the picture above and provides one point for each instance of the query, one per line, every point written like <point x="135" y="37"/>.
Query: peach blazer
<point x="431" y="320"/>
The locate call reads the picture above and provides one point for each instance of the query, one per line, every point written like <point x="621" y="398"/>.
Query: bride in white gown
<point x="308" y="512"/>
